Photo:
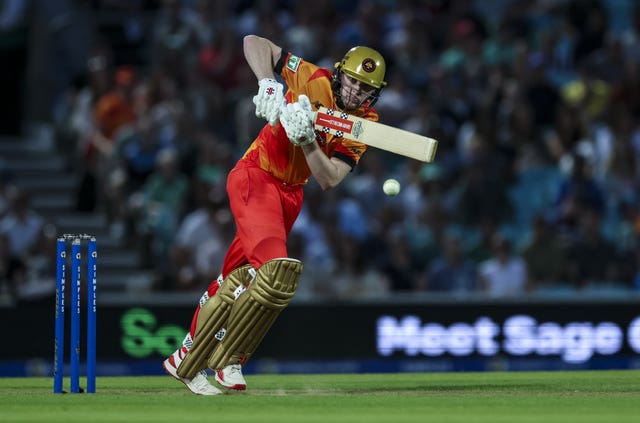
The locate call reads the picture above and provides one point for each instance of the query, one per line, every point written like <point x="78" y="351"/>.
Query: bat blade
<point x="376" y="134"/>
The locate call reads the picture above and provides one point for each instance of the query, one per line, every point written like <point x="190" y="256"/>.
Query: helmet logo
<point x="368" y="65"/>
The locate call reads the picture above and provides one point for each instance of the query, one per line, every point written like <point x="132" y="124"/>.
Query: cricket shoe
<point x="231" y="377"/>
<point x="199" y="384"/>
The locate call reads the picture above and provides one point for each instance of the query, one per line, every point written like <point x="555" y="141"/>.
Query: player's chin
<point x="352" y="105"/>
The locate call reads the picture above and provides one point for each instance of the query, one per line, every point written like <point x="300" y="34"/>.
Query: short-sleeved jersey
<point x="273" y="152"/>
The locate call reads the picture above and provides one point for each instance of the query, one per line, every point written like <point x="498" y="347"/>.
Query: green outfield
<point x="595" y="396"/>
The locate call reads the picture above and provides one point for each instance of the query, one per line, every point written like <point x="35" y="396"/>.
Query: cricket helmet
<point x="365" y="65"/>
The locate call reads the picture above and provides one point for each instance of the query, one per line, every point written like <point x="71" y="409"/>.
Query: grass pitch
<point x="576" y="396"/>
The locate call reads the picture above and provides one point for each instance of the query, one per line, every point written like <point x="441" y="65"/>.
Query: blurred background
<point x="121" y="118"/>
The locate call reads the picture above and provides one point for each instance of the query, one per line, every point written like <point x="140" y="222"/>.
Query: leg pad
<point x="255" y="312"/>
<point x="212" y="317"/>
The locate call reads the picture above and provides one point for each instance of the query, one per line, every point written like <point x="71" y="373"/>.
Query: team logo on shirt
<point x="355" y="151"/>
<point x="368" y="65"/>
<point x="294" y="62"/>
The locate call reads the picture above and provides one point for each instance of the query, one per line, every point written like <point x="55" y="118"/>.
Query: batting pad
<point x="255" y="312"/>
<point x="211" y="318"/>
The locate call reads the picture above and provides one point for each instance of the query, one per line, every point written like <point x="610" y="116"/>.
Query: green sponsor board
<point x="142" y="336"/>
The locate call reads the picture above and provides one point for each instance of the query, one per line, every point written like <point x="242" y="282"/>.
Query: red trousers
<point x="264" y="210"/>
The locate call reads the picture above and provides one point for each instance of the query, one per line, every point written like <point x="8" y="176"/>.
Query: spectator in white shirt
<point x="504" y="274"/>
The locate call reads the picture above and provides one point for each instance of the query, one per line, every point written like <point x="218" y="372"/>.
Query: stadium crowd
<point x="536" y="104"/>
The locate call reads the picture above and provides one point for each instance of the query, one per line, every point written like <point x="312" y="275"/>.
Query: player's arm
<point x="261" y="55"/>
<point x="328" y="172"/>
<point x="297" y="121"/>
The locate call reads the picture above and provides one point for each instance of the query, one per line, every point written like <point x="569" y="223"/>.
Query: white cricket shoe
<point x="231" y="377"/>
<point x="199" y="384"/>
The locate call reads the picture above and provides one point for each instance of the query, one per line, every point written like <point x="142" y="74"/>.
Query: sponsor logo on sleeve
<point x="293" y="63"/>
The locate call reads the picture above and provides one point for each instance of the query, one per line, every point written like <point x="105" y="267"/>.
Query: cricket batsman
<point x="265" y="190"/>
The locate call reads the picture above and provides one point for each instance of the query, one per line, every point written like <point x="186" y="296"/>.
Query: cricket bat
<point x="375" y="134"/>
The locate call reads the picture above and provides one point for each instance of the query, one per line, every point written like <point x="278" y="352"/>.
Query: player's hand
<point x="297" y="121"/>
<point x="269" y="100"/>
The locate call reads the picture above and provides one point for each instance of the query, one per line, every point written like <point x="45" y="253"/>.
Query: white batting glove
<point x="297" y="121"/>
<point x="268" y="100"/>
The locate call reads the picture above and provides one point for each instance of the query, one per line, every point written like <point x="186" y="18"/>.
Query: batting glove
<point x="268" y="100"/>
<point x="297" y="121"/>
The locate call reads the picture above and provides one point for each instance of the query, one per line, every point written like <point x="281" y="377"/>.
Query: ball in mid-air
<point x="391" y="187"/>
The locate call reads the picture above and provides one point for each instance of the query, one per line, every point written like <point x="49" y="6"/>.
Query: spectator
<point x="505" y="273"/>
<point x="113" y="116"/>
<point x="353" y="277"/>
<point x="480" y="241"/>
<point x="592" y="259"/>
<point x="579" y="192"/>
<point x="21" y="230"/>
<point x="452" y="271"/>
<point x="200" y="242"/>
<point x="160" y="204"/>
<point x="400" y="266"/>
<point x="545" y="256"/>
<point x="483" y="193"/>
<point x="174" y="40"/>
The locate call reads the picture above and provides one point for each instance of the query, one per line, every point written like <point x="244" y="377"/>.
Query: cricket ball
<point x="391" y="187"/>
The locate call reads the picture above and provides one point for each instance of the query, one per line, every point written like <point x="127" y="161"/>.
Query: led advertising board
<point x="386" y="337"/>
